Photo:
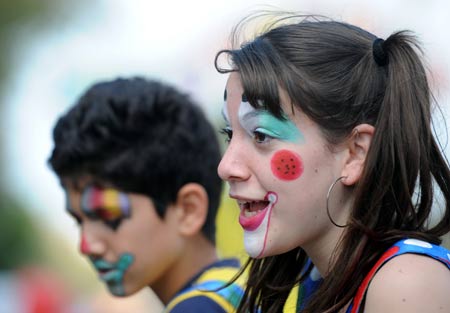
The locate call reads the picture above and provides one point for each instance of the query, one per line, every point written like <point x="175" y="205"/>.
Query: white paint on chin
<point x="254" y="240"/>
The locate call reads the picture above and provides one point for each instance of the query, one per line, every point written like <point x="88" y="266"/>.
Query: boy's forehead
<point x="80" y="183"/>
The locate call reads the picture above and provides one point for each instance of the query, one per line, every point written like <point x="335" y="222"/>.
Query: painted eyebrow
<point x="252" y="114"/>
<point x="68" y="206"/>
<point x="74" y="214"/>
<point x="258" y="111"/>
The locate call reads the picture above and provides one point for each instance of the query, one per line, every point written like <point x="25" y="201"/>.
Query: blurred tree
<point x="17" y="18"/>
<point x="13" y="14"/>
<point x="19" y="236"/>
<point x="19" y="243"/>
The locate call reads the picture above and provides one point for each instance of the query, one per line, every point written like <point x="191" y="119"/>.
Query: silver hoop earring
<point x="328" y="199"/>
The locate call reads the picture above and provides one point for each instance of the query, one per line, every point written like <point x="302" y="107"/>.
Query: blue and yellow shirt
<point x="206" y="291"/>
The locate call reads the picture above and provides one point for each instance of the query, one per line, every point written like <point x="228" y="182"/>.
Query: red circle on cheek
<point x="84" y="246"/>
<point x="286" y="165"/>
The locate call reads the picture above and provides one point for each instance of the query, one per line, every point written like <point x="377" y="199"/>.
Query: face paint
<point x="225" y="114"/>
<point x="107" y="204"/>
<point x="112" y="273"/>
<point x="257" y="226"/>
<point x="262" y="121"/>
<point x="286" y="165"/>
<point x="84" y="247"/>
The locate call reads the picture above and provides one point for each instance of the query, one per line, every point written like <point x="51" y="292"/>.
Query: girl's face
<point x="279" y="171"/>
<point x="129" y="245"/>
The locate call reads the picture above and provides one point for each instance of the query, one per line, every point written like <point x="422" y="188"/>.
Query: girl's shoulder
<point x="412" y="276"/>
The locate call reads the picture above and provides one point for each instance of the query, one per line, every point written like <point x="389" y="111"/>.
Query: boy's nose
<point x="90" y="243"/>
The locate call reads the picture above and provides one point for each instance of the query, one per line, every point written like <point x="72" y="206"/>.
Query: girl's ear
<point x="358" y="148"/>
<point x="192" y="208"/>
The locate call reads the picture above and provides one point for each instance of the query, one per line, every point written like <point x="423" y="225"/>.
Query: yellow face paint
<point x="107" y="204"/>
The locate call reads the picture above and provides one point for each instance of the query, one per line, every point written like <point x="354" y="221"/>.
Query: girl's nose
<point x="233" y="166"/>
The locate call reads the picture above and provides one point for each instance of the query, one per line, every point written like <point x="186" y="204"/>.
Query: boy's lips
<point x="112" y="273"/>
<point x="109" y="276"/>
<point x="103" y="266"/>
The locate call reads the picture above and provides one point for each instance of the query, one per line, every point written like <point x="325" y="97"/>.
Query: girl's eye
<point x="228" y="132"/>
<point x="261" y="137"/>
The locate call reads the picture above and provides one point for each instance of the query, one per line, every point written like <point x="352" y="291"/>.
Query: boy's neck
<point x="198" y="254"/>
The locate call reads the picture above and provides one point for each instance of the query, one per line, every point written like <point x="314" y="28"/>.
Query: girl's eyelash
<point x="261" y="137"/>
<point x="228" y="132"/>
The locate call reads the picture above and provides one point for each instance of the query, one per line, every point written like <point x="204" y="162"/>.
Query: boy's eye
<point x="108" y="205"/>
<point x="75" y="217"/>
<point x="106" y="216"/>
<point x="228" y="132"/>
<point x="114" y="224"/>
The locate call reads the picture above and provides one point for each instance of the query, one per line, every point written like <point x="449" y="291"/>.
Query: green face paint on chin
<point x="112" y="273"/>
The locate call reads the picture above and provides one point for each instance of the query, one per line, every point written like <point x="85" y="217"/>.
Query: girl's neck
<point x="322" y="252"/>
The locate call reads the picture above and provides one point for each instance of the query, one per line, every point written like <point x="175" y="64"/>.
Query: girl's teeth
<point x="252" y="207"/>
<point x="248" y="213"/>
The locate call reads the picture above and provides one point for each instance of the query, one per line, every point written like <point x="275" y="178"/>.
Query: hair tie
<point x="380" y="56"/>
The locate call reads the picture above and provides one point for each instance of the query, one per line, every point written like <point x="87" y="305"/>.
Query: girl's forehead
<point x="224" y="112"/>
<point x="234" y="93"/>
<point x="234" y="86"/>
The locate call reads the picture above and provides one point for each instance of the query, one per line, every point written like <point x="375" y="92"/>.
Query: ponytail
<point x="394" y="198"/>
<point x="400" y="159"/>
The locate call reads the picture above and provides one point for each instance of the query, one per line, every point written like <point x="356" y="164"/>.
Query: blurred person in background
<point x="137" y="160"/>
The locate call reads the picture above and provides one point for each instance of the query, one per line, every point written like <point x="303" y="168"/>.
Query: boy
<point x="137" y="160"/>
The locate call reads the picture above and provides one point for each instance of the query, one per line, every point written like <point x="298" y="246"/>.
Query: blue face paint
<point x="264" y="122"/>
<point x="112" y="273"/>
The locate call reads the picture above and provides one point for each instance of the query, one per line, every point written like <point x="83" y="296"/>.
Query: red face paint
<point x="286" y="165"/>
<point x="84" y="247"/>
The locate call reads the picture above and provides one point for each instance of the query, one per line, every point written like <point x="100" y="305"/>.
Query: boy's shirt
<point x="205" y="292"/>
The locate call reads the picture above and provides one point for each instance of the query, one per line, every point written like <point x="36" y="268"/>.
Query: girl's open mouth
<point x="253" y="212"/>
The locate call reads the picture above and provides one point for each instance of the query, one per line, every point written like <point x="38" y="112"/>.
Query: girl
<point x="334" y="165"/>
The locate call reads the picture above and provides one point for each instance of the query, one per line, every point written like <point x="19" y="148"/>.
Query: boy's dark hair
<point x="141" y="136"/>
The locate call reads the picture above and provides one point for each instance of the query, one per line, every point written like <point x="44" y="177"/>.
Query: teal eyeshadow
<point x="277" y="128"/>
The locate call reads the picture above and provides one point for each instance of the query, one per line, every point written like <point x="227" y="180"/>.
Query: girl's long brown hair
<point x="329" y="71"/>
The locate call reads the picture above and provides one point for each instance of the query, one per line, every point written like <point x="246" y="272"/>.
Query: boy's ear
<point x="192" y="208"/>
<point x="358" y="148"/>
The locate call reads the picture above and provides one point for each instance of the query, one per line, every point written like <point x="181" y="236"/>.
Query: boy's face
<point x="129" y="245"/>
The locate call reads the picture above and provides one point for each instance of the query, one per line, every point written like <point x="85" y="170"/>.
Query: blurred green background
<point x="51" y="50"/>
